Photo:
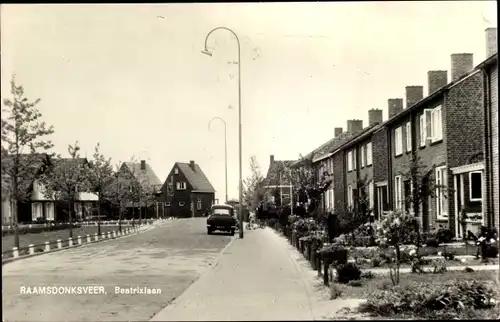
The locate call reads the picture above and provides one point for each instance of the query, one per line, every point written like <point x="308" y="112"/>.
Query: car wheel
<point x="209" y="231"/>
<point x="232" y="232"/>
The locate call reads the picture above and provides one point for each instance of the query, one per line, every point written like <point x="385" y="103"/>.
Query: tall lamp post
<point x="207" y="52"/>
<point x="225" y="146"/>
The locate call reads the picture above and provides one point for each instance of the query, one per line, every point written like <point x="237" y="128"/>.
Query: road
<point x="169" y="257"/>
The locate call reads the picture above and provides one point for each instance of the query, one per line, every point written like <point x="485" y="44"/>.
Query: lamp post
<point x="206" y="52"/>
<point x="225" y="146"/>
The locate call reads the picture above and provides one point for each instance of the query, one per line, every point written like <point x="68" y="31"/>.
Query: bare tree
<point x="21" y="131"/>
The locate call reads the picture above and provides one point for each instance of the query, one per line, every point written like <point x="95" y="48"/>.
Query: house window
<point x="422" y="129"/>
<point x="349" y="197"/>
<point x="436" y="125"/>
<point x="198" y="204"/>
<point x="408" y="137"/>
<point x="181" y="185"/>
<point x="398" y="141"/>
<point x="383" y="200"/>
<point x="176" y="171"/>
<point x="476" y="186"/>
<point x="285" y="196"/>
<point x="407" y="187"/>
<point x="371" y="194"/>
<point x="349" y="161"/>
<point x="167" y="204"/>
<point x="369" y="154"/>
<point x="354" y="159"/>
<point x="441" y="202"/>
<point x="181" y="203"/>
<point x="363" y="149"/>
<point x="397" y="192"/>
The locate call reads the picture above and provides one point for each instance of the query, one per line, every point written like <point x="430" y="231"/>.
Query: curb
<point x="14" y="259"/>
<point x="175" y="302"/>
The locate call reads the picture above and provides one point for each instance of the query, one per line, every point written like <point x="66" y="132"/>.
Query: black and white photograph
<point x="250" y="161"/>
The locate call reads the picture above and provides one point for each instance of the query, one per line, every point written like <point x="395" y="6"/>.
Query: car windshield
<point x="221" y="212"/>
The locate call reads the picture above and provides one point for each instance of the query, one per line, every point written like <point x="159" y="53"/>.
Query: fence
<point x="59" y="244"/>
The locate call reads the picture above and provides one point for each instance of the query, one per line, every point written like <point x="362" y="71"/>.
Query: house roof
<point x="147" y="176"/>
<point x="273" y="173"/>
<point x="356" y="138"/>
<point x="488" y="62"/>
<point x="36" y="162"/>
<point x="197" y="179"/>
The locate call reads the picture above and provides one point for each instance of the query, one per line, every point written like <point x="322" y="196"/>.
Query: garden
<point x="438" y="279"/>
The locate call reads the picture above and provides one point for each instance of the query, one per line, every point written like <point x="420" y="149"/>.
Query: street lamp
<point x="225" y="146"/>
<point x="207" y="52"/>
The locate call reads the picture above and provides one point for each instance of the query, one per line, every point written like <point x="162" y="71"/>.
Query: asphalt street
<point x="168" y="258"/>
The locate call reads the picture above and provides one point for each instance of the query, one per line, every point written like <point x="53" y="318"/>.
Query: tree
<point x="253" y="187"/>
<point x="423" y="187"/>
<point x="100" y="179"/>
<point x="141" y="190"/>
<point x="119" y="191"/>
<point x="21" y="130"/>
<point x="308" y="185"/>
<point x="66" y="178"/>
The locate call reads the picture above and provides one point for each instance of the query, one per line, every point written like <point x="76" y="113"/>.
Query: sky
<point x="132" y="77"/>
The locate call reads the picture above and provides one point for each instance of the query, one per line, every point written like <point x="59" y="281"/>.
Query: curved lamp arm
<point x="207" y="52"/>
<point x="216" y="118"/>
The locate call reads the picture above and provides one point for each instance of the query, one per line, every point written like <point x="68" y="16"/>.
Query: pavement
<point x="259" y="277"/>
<point x="168" y="258"/>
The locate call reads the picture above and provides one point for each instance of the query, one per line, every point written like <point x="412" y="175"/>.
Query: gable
<point x="197" y="179"/>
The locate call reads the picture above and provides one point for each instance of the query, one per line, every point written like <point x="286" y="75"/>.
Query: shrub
<point x="355" y="283"/>
<point x="432" y="242"/>
<point x="439" y="266"/>
<point x="444" y="235"/>
<point x="367" y="275"/>
<point x="334" y="254"/>
<point x="427" y="300"/>
<point x="348" y="272"/>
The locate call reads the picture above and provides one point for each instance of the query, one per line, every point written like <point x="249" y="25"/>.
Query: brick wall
<point x="463" y="115"/>
<point x="496" y="134"/>
<point x="339" y="168"/>
<point x="380" y="157"/>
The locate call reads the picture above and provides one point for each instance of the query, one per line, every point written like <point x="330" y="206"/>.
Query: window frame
<point x="363" y="155"/>
<point x="350" y="197"/>
<point x="408" y="137"/>
<point x="397" y="192"/>
<point x="398" y="141"/>
<point x="183" y="203"/>
<point x="436" y="124"/>
<point x="180" y="185"/>
<point x="198" y="204"/>
<point x="422" y="130"/>
<point x="354" y="161"/>
<point x="371" y="195"/>
<point x="349" y="161"/>
<point x="441" y="212"/>
<point x="176" y="170"/>
<point x="369" y="160"/>
<point x="167" y="204"/>
<point x="470" y="186"/>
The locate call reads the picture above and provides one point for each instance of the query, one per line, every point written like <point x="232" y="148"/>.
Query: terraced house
<point x="277" y="181"/>
<point x="441" y="135"/>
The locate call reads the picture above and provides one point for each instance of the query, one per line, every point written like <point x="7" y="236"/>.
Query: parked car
<point x="221" y="218"/>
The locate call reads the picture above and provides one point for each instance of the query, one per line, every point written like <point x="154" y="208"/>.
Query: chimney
<point x="491" y="42"/>
<point x="395" y="106"/>
<point x="354" y="126"/>
<point x="271" y="159"/>
<point x="375" y="117"/>
<point x="437" y="79"/>
<point x="143" y="164"/>
<point x="413" y="95"/>
<point x="191" y="165"/>
<point x="461" y="64"/>
<point x="338" y="131"/>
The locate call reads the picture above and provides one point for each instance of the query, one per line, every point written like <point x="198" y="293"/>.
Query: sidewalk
<point x="255" y="279"/>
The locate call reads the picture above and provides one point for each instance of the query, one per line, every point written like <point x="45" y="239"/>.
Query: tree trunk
<point x="99" y="214"/>
<point x="69" y="219"/>
<point x="15" y="219"/>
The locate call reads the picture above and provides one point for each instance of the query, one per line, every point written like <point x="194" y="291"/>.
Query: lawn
<point x="368" y="286"/>
<point x="39" y="239"/>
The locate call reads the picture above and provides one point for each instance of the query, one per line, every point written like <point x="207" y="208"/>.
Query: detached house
<point x="187" y="191"/>
<point x="147" y="179"/>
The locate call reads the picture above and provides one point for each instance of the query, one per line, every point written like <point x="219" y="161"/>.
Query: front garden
<point x="416" y="281"/>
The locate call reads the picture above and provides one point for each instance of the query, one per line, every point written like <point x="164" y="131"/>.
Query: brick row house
<point x="446" y="135"/>
<point x="187" y="192"/>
